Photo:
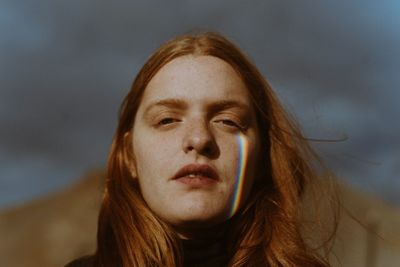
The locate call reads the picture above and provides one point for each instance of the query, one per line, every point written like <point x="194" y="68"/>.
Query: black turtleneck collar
<point x="210" y="252"/>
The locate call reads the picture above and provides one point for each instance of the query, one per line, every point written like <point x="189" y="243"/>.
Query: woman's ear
<point x="129" y="158"/>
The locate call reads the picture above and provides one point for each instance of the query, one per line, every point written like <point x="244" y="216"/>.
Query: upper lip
<point x="199" y="169"/>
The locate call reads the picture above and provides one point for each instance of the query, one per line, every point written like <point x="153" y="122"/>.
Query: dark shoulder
<point x="86" y="261"/>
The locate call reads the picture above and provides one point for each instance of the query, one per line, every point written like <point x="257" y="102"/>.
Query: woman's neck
<point x="201" y="233"/>
<point x="205" y="248"/>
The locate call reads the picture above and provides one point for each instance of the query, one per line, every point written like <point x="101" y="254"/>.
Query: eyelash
<point x="227" y="122"/>
<point x="163" y="121"/>
<point x="231" y="124"/>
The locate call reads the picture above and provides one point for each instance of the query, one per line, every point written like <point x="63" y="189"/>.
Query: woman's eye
<point x="166" y="121"/>
<point x="230" y="123"/>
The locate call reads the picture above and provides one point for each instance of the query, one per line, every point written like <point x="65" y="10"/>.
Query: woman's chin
<point x="200" y="219"/>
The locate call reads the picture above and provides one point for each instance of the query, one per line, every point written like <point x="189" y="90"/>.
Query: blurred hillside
<point x="51" y="231"/>
<point x="48" y="232"/>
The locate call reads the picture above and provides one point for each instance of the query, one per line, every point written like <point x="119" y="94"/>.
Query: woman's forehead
<point x="197" y="79"/>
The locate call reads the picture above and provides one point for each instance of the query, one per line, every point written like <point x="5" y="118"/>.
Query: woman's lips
<point x="196" y="181"/>
<point x="196" y="175"/>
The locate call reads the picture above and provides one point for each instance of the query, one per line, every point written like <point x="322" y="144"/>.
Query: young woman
<point x="205" y="168"/>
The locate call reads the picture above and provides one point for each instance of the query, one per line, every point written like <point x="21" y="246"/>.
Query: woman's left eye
<point x="230" y="123"/>
<point x="166" y="121"/>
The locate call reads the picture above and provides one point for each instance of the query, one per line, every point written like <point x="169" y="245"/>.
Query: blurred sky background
<point x="66" y="65"/>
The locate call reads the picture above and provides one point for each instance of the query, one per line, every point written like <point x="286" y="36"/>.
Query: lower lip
<point x="196" y="181"/>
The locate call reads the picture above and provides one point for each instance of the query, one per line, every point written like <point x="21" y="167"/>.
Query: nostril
<point x="208" y="150"/>
<point x="200" y="139"/>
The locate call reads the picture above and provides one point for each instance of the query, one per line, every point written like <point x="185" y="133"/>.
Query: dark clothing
<point x="197" y="253"/>
<point x="204" y="253"/>
<point x="86" y="261"/>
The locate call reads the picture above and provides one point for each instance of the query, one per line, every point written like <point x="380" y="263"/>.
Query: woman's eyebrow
<point x="169" y="102"/>
<point x="227" y="104"/>
<point x="183" y="105"/>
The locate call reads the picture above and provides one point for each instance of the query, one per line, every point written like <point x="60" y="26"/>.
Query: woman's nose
<point x="199" y="138"/>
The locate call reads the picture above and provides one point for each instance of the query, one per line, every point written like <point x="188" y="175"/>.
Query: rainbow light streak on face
<point x="240" y="174"/>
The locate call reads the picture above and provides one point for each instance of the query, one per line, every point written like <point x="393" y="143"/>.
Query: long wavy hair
<point x="264" y="232"/>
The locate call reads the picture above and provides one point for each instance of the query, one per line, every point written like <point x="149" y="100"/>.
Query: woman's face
<point x="192" y="131"/>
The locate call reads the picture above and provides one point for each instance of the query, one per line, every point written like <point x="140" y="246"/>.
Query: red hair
<point x="265" y="232"/>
